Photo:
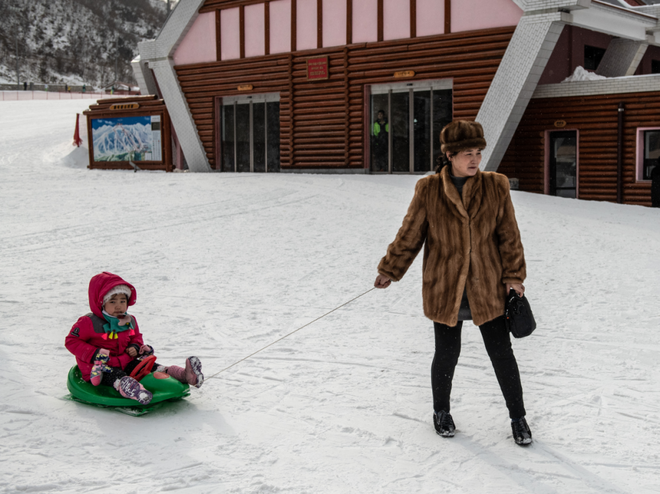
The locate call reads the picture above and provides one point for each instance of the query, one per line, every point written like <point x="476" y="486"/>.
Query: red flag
<point x="77" y="141"/>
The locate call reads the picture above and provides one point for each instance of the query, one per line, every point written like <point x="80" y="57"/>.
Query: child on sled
<point x="108" y="344"/>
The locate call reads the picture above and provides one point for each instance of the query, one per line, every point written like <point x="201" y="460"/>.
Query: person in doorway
<point x="380" y="142"/>
<point x="108" y="345"/>
<point x="473" y="256"/>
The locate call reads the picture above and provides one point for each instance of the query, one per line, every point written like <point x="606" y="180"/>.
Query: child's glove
<point x="132" y="350"/>
<point x="146" y="350"/>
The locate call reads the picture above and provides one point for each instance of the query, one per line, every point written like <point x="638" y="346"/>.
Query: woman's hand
<point x="132" y="352"/>
<point x="382" y="281"/>
<point x="518" y="287"/>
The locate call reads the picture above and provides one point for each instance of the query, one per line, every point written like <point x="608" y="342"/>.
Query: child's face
<point x="117" y="305"/>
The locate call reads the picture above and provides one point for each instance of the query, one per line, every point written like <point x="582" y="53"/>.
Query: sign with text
<point x="126" y="106"/>
<point x="404" y="74"/>
<point x="317" y="69"/>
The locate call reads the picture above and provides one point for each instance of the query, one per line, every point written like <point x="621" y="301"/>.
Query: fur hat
<point x="115" y="290"/>
<point x="460" y="135"/>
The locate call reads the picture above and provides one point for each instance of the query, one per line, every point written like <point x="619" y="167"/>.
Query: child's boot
<point x="130" y="388"/>
<point x="100" y="366"/>
<point x="192" y="374"/>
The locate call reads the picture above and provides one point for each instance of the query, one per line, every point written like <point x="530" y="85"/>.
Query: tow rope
<point x="289" y="334"/>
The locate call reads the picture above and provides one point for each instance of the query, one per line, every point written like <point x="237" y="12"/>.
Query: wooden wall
<point x="323" y="122"/>
<point x="596" y="119"/>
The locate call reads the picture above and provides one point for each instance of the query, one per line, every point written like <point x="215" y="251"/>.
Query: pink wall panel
<point x="396" y="19"/>
<point x="198" y="46"/>
<point x="469" y="15"/>
<point x="230" y="34"/>
<point x="430" y="17"/>
<point x="365" y="21"/>
<point x="280" y="26"/>
<point x="306" y="34"/>
<point x="334" y="22"/>
<point x="255" y="30"/>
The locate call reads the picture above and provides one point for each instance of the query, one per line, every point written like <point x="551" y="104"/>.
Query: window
<point x="655" y="66"/>
<point x="592" y="57"/>
<point x="648" y="152"/>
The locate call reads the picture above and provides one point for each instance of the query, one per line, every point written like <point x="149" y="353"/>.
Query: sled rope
<point x="289" y="334"/>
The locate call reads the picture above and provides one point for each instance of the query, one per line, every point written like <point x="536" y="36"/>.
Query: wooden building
<point x="365" y="86"/>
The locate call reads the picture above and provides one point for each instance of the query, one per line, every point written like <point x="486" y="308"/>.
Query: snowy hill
<point x="75" y="41"/>
<point x="225" y="264"/>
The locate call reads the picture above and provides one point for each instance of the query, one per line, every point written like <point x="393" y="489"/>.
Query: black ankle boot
<point x="521" y="433"/>
<point x="444" y="424"/>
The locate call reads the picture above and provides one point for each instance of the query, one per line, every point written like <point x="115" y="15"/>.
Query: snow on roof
<point x="582" y="74"/>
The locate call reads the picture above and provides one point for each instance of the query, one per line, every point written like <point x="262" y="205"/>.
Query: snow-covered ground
<point x="225" y="264"/>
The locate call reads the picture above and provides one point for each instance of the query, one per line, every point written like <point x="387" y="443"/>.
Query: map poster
<point x="127" y="138"/>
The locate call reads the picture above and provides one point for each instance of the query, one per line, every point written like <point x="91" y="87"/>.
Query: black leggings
<point x="498" y="345"/>
<point x="109" y="378"/>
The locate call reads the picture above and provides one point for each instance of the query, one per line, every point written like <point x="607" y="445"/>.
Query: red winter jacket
<point x="87" y="335"/>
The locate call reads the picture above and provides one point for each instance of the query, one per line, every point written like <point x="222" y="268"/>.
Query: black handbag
<point x="519" y="318"/>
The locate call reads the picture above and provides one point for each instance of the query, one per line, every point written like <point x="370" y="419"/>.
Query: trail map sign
<point x="129" y="133"/>
<point x="127" y="138"/>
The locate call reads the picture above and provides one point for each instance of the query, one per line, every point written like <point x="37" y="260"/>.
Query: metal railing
<point x="48" y="95"/>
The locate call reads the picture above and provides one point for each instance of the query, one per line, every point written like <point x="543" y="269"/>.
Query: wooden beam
<point x="349" y="22"/>
<point x="447" y="16"/>
<point x="267" y="28"/>
<point x="380" y="20"/>
<point x="413" y="18"/>
<point x="218" y="36"/>
<point x="294" y="25"/>
<point x="241" y="22"/>
<point x="319" y="23"/>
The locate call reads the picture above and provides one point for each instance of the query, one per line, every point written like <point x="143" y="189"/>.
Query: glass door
<point x="405" y="124"/>
<point x="563" y="164"/>
<point x="651" y="152"/>
<point x="250" y="135"/>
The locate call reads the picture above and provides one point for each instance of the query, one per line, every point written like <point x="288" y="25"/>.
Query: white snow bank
<point x="582" y="74"/>
<point x="226" y="263"/>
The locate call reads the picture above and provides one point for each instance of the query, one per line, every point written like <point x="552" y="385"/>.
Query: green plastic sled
<point x="167" y="389"/>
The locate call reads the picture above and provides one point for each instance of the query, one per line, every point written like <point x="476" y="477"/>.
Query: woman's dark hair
<point x="441" y="162"/>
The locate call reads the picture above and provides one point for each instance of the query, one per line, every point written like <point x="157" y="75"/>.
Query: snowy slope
<point x="225" y="264"/>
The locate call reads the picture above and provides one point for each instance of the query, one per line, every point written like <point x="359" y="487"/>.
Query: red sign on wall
<point x="317" y="69"/>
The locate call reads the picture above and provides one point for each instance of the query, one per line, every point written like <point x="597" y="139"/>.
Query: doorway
<point x="562" y="164"/>
<point x="250" y="133"/>
<point x="405" y="124"/>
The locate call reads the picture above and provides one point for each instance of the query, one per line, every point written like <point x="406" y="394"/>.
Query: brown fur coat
<point x="473" y="241"/>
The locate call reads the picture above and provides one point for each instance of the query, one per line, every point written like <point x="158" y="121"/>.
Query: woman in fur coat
<point x="473" y="256"/>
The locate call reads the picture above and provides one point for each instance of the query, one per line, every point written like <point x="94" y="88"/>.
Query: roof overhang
<point x="617" y="21"/>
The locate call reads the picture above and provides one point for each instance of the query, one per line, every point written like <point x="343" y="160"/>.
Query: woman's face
<point x="465" y="163"/>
